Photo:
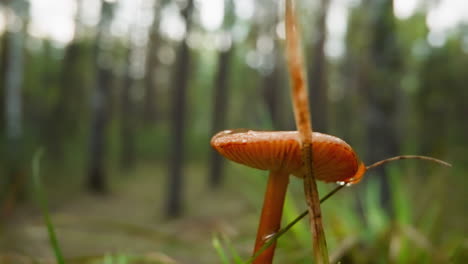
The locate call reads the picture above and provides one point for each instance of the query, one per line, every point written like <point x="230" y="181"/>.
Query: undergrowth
<point x="359" y="229"/>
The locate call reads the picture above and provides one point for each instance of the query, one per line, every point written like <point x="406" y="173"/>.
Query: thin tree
<point x="220" y="95"/>
<point x="178" y="116"/>
<point x="13" y="69"/>
<point x="3" y="67"/>
<point x="355" y="70"/>
<point x="149" y="104"/>
<point x="273" y="79"/>
<point x="128" y="124"/>
<point x="318" y="84"/>
<point x="97" y="181"/>
<point x="66" y="113"/>
<point x="383" y="90"/>
<point x="272" y="93"/>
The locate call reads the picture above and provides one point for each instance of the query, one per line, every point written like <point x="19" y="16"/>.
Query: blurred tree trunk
<point x="180" y="82"/>
<point x="3" y="69"/>
<point x="270" y="93"/>
<point x="273" y="93"/>
<point x="440" y="105"/>
<point x="318" y="84"/>
<point x="66" y="114"/>
<point x="356" y="70"/>
<point x="12" y="83"/>
<point x="382" y="92"/>
<point x="65" y="117"/>
<point x="219" y="113"/>
<point x="3" y="64"/>
<point x="220" y="95"/>
<point x="128" y="124"/>
<point x="71" y="85"/>
<point x="97" y="181"/>
<point x="149" y="105"/>
<point x="272" y="79"/>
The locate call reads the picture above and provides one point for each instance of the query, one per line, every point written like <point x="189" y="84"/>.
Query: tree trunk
<point x="383" y="91"/>
<point x="4" y="65"/>
<point x="356" y="71"/>
<point x="13" y="82"/>
<point x="128" y="124"/>
<point x="318" y="84"/>
<point x="149" y="105"/>
<point x="97" y="180"/>
<point x="65" y="117"/>
<point x="178" y="115"/>
<point x="273" y="94"/>
<point x="219" y="113"/>
<point x="220" y="100"/>
<point x="66" y="114"/>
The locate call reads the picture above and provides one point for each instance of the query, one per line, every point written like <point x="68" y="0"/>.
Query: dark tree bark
<point x="219" y="113"/>
<point x="128" y="124"/>
<point x="356" y="70"/>
<point x="270" y="93"/>
<point x="97" y="180"/>
<point x="273" y="93"/>
<point x="3" y="64"/>
<point x="382" y="91"/>
<point x="69" y="102"/>
<point x="318" y="84"/>
<point x="64" y="118"/>
<point x="149" y="104"/>
<point x="12" y="82"/>
<point x="178" y="116"/>
<point x="220" y="101"/>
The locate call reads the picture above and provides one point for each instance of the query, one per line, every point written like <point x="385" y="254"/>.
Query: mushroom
<point x="279" y="152"/>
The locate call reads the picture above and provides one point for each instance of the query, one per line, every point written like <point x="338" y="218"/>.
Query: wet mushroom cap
<point x="334" y="160"/>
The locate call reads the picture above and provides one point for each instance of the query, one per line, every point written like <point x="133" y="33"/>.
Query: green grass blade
<point x="300" y="230"/>
<point x="42" y="200"/>
<point x="220" y="250"/>
<point x="402" y="210"/>
<point x="376" y="217"/>
<point x="235" y="255"/>
<point x="400" y="201"/>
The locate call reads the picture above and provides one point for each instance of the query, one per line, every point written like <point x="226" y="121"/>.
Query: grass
<point x="222" y="230"/>
<point x="225" y="250"/>
<point x="372" y="235"/>
<point x="42" y="202"/>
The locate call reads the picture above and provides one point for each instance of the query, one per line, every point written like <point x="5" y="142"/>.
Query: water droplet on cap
<point x="343" y="183"/>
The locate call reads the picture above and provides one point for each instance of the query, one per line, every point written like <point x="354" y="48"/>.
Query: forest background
<point x="123" y="97"/>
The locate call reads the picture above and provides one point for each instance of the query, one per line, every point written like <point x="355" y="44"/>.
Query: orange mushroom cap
<point x="334" y="160"/>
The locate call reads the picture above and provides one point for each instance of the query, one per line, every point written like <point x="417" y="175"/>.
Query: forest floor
<point x="130" y="221"/>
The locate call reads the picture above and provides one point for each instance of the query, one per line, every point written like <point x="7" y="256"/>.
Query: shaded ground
<point x="129" y="221"/>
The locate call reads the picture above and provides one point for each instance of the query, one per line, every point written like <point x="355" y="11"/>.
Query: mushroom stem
<point x="270" y="220"/>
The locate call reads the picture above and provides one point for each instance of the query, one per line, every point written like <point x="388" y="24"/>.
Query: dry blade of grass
<point x="304" y="126"/>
